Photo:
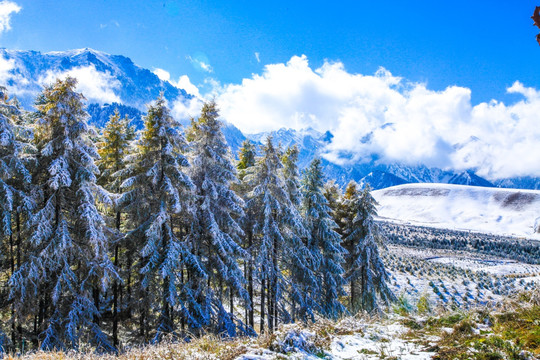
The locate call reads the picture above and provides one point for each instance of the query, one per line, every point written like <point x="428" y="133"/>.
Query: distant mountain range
<point x="132" y="87"/>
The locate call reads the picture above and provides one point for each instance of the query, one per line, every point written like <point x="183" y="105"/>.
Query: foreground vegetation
<point x="510" y="330"/>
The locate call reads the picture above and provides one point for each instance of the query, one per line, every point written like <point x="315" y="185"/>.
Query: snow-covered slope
<point x="490" y="210"/>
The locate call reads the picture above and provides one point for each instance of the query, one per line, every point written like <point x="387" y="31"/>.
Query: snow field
<point x="508" y="212"/>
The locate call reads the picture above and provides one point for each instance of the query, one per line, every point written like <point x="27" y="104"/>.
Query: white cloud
<point x="385" y="115"/>
<point x="95" y="85"/>
<point x="6" y="65"/>
<point x="200" y="62"/>
<point x="163" y="75"/>
<point x="183" y="110"/>
<point x="185" y="83"/>
<point x="7" y="8"/>
<point x="112" y="22"/>
<point x="258" y="57"/>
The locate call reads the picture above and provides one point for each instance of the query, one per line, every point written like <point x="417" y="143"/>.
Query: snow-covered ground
<point x="498" y="211"/>
<point x="378" y="341"/>
<point x="381" y="339"/>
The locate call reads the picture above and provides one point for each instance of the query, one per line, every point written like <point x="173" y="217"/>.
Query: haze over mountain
<point x="114" y="81"/>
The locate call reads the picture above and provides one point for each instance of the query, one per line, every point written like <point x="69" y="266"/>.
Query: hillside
<point x="490" y="210"/>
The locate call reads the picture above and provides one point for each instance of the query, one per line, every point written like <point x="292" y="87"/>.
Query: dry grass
<point x="208" y="347"/>
<point x="510" y="331"/>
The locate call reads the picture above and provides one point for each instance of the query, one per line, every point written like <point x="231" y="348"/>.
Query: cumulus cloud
<point x="185" y="83"/>
<point x="388" y="118"/>
<point x="185" y="109"/>
<point x="163" y="75"/>
<point x="7" y="8"/>
<point x="95" y="85"/>
<point x="6" y="65"/>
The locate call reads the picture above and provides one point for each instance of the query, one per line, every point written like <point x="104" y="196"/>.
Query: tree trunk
<point x="115" y="300"/>
<point x="142" y="305"/>
<point x="12" y="268"/>
<point x="263" y="283"/>
<point x="231" y="301"/>
<point x="353" y="298"/>
<point x="19" y="252"/>
<point x="95" y="293"/>
<point x="182" y="317"/>
<point x="250" y="281"/>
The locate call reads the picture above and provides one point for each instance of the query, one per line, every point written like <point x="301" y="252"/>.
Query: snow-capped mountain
<point x="460" y="207"/>
<point x="469" y="178"/>
<point x="114" y="82"/>
<point x="312" y="143"/>
<point x="106" y="78"/>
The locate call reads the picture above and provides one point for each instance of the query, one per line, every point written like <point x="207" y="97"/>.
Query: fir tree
<point x="13" y="171"/>
<point x="246" y="155"/>
<point x="277" y="229"/>
<point x="332" y="193"/>
<point x="292" y="174"/>
<point x="323" y="241"/>
<point x="16" y="203"/>
<point x="113" y="147"/>
<point x="157" y="190"/>
<point x="67" y="260"/>
<point x="245" y="165"/>
<point x="216" y="233"/>
<point x="365" y="270"/>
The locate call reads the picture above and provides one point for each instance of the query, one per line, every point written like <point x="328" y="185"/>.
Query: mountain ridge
<point x="132" y="87"/>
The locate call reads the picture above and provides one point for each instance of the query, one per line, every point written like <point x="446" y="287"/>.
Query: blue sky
<point x="481" y="45"/>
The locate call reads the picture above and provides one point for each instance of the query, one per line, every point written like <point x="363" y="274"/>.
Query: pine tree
<point x="246" y="155"/>
<point x="277" y="229"/>
<point x="247" y="158"/>
<point x="156" y="191"/>
<point x="216" y="232"/>
<point x="113" y="147"/>
<point x="292" y="174"/>
<point x="16" y="203"/>
<point x="323" y="242"/>
<point x="332" y="193"/>
<point x="13" y="171"/>
<point x="365" y="270"/>
<point x="67" y="260"/>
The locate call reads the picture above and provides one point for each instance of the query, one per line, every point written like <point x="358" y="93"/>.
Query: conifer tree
<point x="157" y="190"/>
<point x="277" y="228"/>
<point x="332" y="193"/>
<point x="113" y="148"/>
<point x="16" y="203"/>
<point x="292" y="174"/>
<point x="67" y="256"/>
<point x="323" y="242"/>
<point x="13" y="171"/>
<point x="365" y="270"/>
<point x="216" y="232"/>
<point x="247" y="157"/>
